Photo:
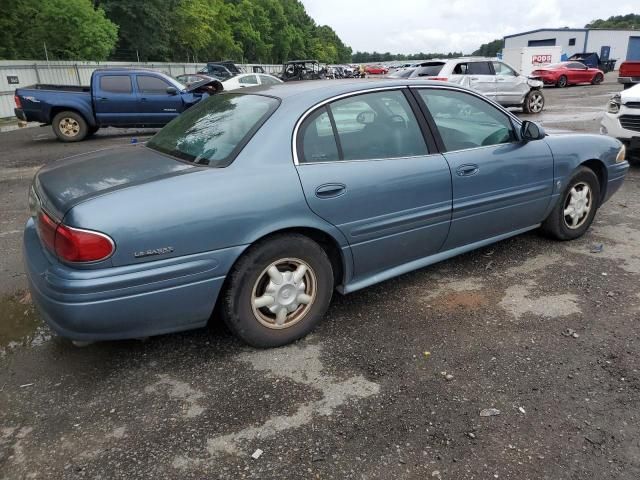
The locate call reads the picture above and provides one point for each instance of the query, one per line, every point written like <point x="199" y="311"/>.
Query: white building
<point x="609" y="44"/>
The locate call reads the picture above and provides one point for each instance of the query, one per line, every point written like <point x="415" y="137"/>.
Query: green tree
<point x="145" y="28"/>
<point x="70" y="29"/>
<point x="630" y="21"/>
<point x="490" y="49"/>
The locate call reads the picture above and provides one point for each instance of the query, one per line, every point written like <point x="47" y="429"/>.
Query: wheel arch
<point x="56" y="109"/>
<point x="599" y="168"/>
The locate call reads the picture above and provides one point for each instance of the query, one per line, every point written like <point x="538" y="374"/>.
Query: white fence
<point x="22" y="73"/>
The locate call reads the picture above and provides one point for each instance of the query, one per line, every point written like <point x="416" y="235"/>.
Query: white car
<point x="622" y="119"/>
<point x="493" y="78"/>
<point x="249" y="80"/>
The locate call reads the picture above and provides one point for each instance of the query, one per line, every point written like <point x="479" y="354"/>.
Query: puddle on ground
<point x="20" y="324"/>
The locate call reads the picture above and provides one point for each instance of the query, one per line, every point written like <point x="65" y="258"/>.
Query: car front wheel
<point x="576" y="208"/>
<point x="597" y="80"/>
<point x="278" y="291"/>
<point x="533" y="102"/>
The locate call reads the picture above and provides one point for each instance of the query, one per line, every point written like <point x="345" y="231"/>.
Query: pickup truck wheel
<point x="278" y="291"/>
<point x="70" y="126"/>
<point x="576" y="208"/>
<point x="533" y="102"/>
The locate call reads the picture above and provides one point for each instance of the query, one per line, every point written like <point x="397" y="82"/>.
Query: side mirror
<point x="172" y="90"/>
<point x="531" y="131"/>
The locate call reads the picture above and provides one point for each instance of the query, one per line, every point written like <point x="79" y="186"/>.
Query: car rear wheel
<point x="562" y="81"/>
<point x="69" y="126"/>
<point x="533" y="102"/>
<point x="576" y="208"/>
<point x="278" y="291"/>
<point x="597" y="80"/>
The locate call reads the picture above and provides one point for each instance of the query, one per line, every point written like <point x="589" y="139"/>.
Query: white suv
<point x="493" y="78"/>
<point x="622" y="119"/>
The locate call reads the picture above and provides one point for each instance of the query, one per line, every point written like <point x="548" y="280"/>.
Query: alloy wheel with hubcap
<point x="284" y="293"/>
<point x="577" y="205"/>
<point x="535" y="102"/>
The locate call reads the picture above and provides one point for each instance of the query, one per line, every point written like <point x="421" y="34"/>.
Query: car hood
<point x="66" y="183"/>
<point x="630" y="94"/>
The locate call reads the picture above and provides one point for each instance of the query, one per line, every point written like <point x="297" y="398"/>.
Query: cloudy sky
<point x="407" y="26"/>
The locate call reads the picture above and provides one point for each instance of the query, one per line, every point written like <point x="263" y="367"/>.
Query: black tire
<point x="562" y="82"/>
<point x="598" y="79"/>
<point x="77" y="129"/>
<point x="237" y="307"/>
<point x="556" y="224"/>
<point x="533" y="102"/>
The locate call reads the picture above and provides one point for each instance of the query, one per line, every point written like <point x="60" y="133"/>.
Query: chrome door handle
<point x="467" y="170"/>
<point x="330" y="190"/>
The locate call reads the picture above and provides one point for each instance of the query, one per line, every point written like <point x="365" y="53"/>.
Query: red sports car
<point x="376" y="70"/>
<point x="568" y="73"/>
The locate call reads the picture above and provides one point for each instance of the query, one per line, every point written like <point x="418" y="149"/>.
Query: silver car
<point x="493" y="78"/>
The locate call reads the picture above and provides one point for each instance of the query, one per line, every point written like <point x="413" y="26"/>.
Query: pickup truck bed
<point x="116" y="98"/>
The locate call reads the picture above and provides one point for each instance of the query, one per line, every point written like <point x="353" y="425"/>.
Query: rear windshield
<point x="402" y="73"/>
<point x="428" y="70"/>
<point x="214" y="131"/>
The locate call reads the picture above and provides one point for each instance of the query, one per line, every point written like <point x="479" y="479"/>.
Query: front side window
<point x="504" y="70"/>
<point x="214" y="131"/>
<point x="479" y="68"/>
<point x="248" y="80"/>
<point x="151" y="85"/>
<point x="267" y="80"/>
<point x="116" y="83"/>
<point x="466" y="121"/>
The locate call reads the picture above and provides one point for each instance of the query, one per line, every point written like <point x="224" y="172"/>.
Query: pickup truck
<point x="116" y="98"/>
<point x="629" y="73"/>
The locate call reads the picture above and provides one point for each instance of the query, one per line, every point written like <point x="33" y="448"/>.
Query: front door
<point x="156" y="106"/>
<point x="510" y="87"/>
<point x="500" y="184"/>
<point x="365" y="167"/>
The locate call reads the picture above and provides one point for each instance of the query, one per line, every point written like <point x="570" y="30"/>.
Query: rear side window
<point x="316" y="138"/>
<point x="248" y="80"/>
<point x="479" y="68"/>
<point x="214" y="131"/>
<point x="116" y="83"/>
<point x="151" y="85"/>
<point x="362" y="127"/>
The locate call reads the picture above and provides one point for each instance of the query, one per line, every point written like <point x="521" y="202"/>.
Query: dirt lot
<point x="391" y="385"/>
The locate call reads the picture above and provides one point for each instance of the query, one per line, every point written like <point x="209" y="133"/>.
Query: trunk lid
<point x="66" y="183"/>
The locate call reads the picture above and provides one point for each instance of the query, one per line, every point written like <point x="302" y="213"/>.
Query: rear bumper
<point x="628" y="80"/>
<point x="20" y="114"/>
<point x="140" y="300"/>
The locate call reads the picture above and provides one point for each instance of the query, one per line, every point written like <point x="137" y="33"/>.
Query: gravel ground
<point x="394" y="383"/>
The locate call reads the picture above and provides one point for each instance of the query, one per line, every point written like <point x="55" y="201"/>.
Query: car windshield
<point x="215" y="130"/>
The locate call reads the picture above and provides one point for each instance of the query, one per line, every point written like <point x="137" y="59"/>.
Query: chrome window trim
<point x="310" y="110"/>
<point x="321" y="104"/>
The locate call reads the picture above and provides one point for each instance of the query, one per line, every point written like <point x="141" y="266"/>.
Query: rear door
<point x="114" y="100"/>
<point x="500" y="184"/>
<point x="478" y="75"/>
<point x="155" y="104"/>
<point x="366" y="168"/>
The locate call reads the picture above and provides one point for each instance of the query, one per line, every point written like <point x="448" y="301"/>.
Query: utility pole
<point x="138" y="56"/>
<point x="46" y="55"/>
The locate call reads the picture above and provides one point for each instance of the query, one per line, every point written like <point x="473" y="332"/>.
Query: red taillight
<point x="47" y="230"/>
<point x="73" y="244"/>
<point x="16" y="98"/>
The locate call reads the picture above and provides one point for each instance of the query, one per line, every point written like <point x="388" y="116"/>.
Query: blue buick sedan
<point x="260" y="204"/>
